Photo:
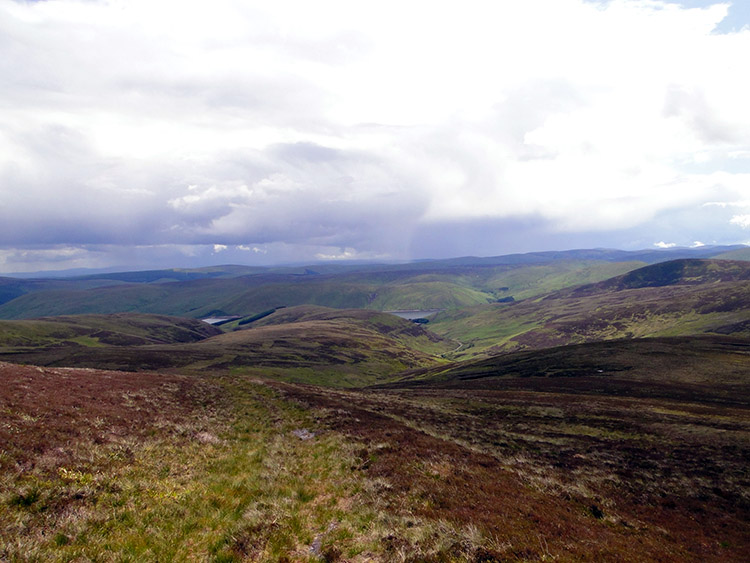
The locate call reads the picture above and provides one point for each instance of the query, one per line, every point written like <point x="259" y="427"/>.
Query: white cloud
<point x="346" y="125"/>
<point x="255" y="249"/>
<point x="741" y="220"/>
<point x="343" y="254"/>
<point x="725" y="204"/>
<point x="697" y="244"/>
<point x="662" y="244"/>
<point x="219" y="248"/>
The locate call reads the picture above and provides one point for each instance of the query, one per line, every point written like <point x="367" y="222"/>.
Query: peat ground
<point x="112" y="466"/>
<point x="525" y="457"/>
<point x="559" y="476"/>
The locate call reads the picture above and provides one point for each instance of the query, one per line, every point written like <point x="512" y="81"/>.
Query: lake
<point x="412" y="314"/>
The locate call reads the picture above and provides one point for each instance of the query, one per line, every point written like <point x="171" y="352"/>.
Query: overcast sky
<point x="159" y="133"/>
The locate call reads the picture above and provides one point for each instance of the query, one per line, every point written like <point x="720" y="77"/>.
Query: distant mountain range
<point x="244" y="290"/>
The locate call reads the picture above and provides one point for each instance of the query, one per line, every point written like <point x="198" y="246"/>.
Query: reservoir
<point x="412" y="314"/>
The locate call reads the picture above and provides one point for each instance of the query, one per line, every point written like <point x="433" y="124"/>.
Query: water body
<point x="215" y="320"/>
<point x="412" y="314"/>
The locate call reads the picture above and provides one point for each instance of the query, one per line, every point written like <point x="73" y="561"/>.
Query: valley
<point x="601" y="414"/>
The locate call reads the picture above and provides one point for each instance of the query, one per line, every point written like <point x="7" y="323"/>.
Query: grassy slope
<point x="342" y="352"/>
<point x="11" y="288"/>
<point x="740" y="254"/>
<point x="388" y="290"/>
<point x="409" y="334"/>
<point x="626" y="451"/>
<point x="169" y="468"/>
<point x="358" y="347"/>
<point x="452" y="287"/>
<point x="533" y="280"/>
<point x="105" y="465"/>
<point x="611" y="451"/>
<point x="310" y="344"/>
<point x="100" y="330"/>
<point x="671" y="299"/>
<point x="546" y="264"/>
<point x="701" y="368"/>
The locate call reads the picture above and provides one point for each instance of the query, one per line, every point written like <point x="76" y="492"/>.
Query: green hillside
<point x="669" y="299"/>
<point x="675" y="272"/>
<point x="448" y="287"/>
<point x="561" y="407"/>
<point x="678" y="298"/>
<point x="408" y="333"/>
<point x="738" y="254"/>
<point x="100" y="330"/>
<point x="523" y="275"/>
<point x="307" y="344"/>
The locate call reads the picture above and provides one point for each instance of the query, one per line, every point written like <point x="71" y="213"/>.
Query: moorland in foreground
<point x="602" y="414"/>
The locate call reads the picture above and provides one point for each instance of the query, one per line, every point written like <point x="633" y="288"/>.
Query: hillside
<point x="99" y="465"/>
<point x="243" y="290"/>
<point x="678" y="298"/>
<point x="308" y="344"/>
<point x="103" y="465"/>
<point x="736" y="254"/>
<point x="604" y="417"/>
<point x="101" y="330"/>
<point x="674" y="272"/>
<point x="340" y="351"/>
<point x="700" y="368"/>
<point x="382" y="288"/>
<point x="668" y="299"/>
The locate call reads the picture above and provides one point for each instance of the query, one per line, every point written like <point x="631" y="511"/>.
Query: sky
<point x="164" y="133"/>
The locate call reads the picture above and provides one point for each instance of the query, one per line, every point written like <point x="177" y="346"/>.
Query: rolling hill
<point x="676" y="298"/>
<point x="600" y="415"/>
<point x="124" y="329"/>
<point x="358" y="346"/>
<point x="377" y="289"/>
<point x="242" y="290"/>
<point x="310" y="344"/>
<point x="699" y="368"/>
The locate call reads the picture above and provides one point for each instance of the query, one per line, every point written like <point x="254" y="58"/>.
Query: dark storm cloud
<point x="292" y="192"/>
<point x="532" y="233"/>
<point x="292" y="130"/>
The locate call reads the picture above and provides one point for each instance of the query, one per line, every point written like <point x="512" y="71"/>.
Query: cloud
<point x="61" y="254"/>
<point x="694" y="110"/>
<point x="741" y="220"/>
<point x="662" y="244"/>
<point x="343" y="254"/>
<point x="303" y="128"/>
<point x="725" y="204"/>
<point x="254" y="249"/>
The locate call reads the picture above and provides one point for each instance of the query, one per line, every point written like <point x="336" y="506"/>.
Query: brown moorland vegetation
<point x="309" y="344"/>
<point x="564" y="475"/>
<point x="613" y="450"/>
<point x="490" y="468"/>
<point x="678" y="298"/>
<point x="102" y="465"/>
